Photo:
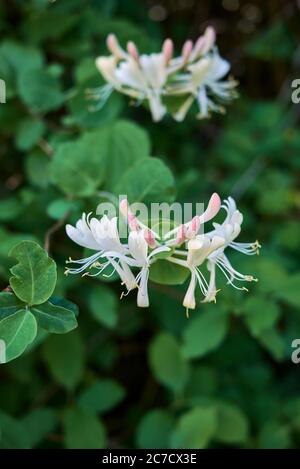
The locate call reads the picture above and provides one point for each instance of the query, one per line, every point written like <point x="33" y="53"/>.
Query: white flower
<point x="230" y="229"/>
<point x="196" y="73"/>
<point x="101" y="236"/>
<point x="203" y="81"/>
<point x="139" y="76"/>
<point x="199" y="248"/>
<point x="138" y="248"/>
<point x="183" y="246"/>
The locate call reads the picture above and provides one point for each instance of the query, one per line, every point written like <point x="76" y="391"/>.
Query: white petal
<point x="107" y="67"/>
<point x="138" y="247"/>
<point x="154" y="68"/>
<point x="156" y="107"/>
<point x="189" y="301"/>
<point x="212" y="290"/>
<point x="130" y="74"/>
<point x="142" y="296"/>
<point x="82" y="235"/>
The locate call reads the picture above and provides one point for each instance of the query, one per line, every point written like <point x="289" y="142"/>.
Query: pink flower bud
<point x="181" y="234"/>
<point x="132" y="50"/>
<point x="210" y="38"/>
<point x="149" y="238"/>
<point x="112" y="43"/>
<point x="199" y="47"/>
<point x="124" y="207"/>
<point x="213" y="208"/>
<point x="186" y="50"/>
<point x="196" y="224"/>
<point x="132" y="221"/>
<point x="168" y="49"/>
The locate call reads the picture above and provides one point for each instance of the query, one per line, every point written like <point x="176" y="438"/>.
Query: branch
<point x="53" y="229"/>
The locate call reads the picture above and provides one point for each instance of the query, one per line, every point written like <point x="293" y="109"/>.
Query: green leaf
<point x="289" y="290"/>
<point x="28" y="133"/>
<point x="19" y="58"/>
<point x="38" y="424"/>
<point x="127" y="144"/>
<point x="55" y="319"/>
<point x="83" y="111"/>
<point x="83" y="430"/>
<point x="204" y="333"/>
<point x="101" y="396"/>
<point x="103" y="305"/>
<point x="273" y="342"/>
<point x="154" y="430"/>
<point x="64" y="356"/>
<point x="275" y="435"/>
<point x="37" y="166"/>
<point x="9" y="304"/>
<point x="16" y="333"/>
<point x="232" y="424"/>
<point x="13" y="435"/>
<point x="79" y="167"/>
<point x="40" y="90"/>
<point x="166" y="273"/>
<point x="148" y="180"/>
<point x="59" y="208"/>
<point x="261" y="314"/>
<point x="9" y="208"/>
<point x="167" y="363"/>
<point x="195" y="428"/>
<point x="34" y="277"/>
<point x="64" y="303"/>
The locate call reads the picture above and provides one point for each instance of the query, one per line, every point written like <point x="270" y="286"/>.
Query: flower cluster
<point x="197" y="74"/>
<point x="183" y="246"/>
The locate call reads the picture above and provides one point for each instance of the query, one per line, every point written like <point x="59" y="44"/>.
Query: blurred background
<point x="153" y="378"/>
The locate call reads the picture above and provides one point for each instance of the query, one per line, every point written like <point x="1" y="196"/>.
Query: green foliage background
<point x="128" y="377"/>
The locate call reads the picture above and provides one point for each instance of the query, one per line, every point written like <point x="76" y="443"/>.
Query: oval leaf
<point x="167" y="363"/>
<point x="55" y="319"/>
<point x="9" y="304"/>
<point x="34" y="277"/>
<point x="16" y="333"/>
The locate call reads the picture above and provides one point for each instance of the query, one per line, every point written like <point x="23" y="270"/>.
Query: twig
<point x="53" y="230"/>
<point x="46" y="147"/>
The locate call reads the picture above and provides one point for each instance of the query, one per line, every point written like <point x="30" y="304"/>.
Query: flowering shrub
<point x="81" y="368"/>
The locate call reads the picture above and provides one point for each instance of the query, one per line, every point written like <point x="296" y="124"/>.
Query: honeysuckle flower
<point x="199" y="248"/>
<point x="101" y="236"/>
<point x="229" y="230"/>
<point x="189" y="230"/>
<point x="203" y="82"/>
<point x="197" y="73"/>
<point x="140" y="76"/>
<point x="182" y="246"/>
<point x="138" y="247"/>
